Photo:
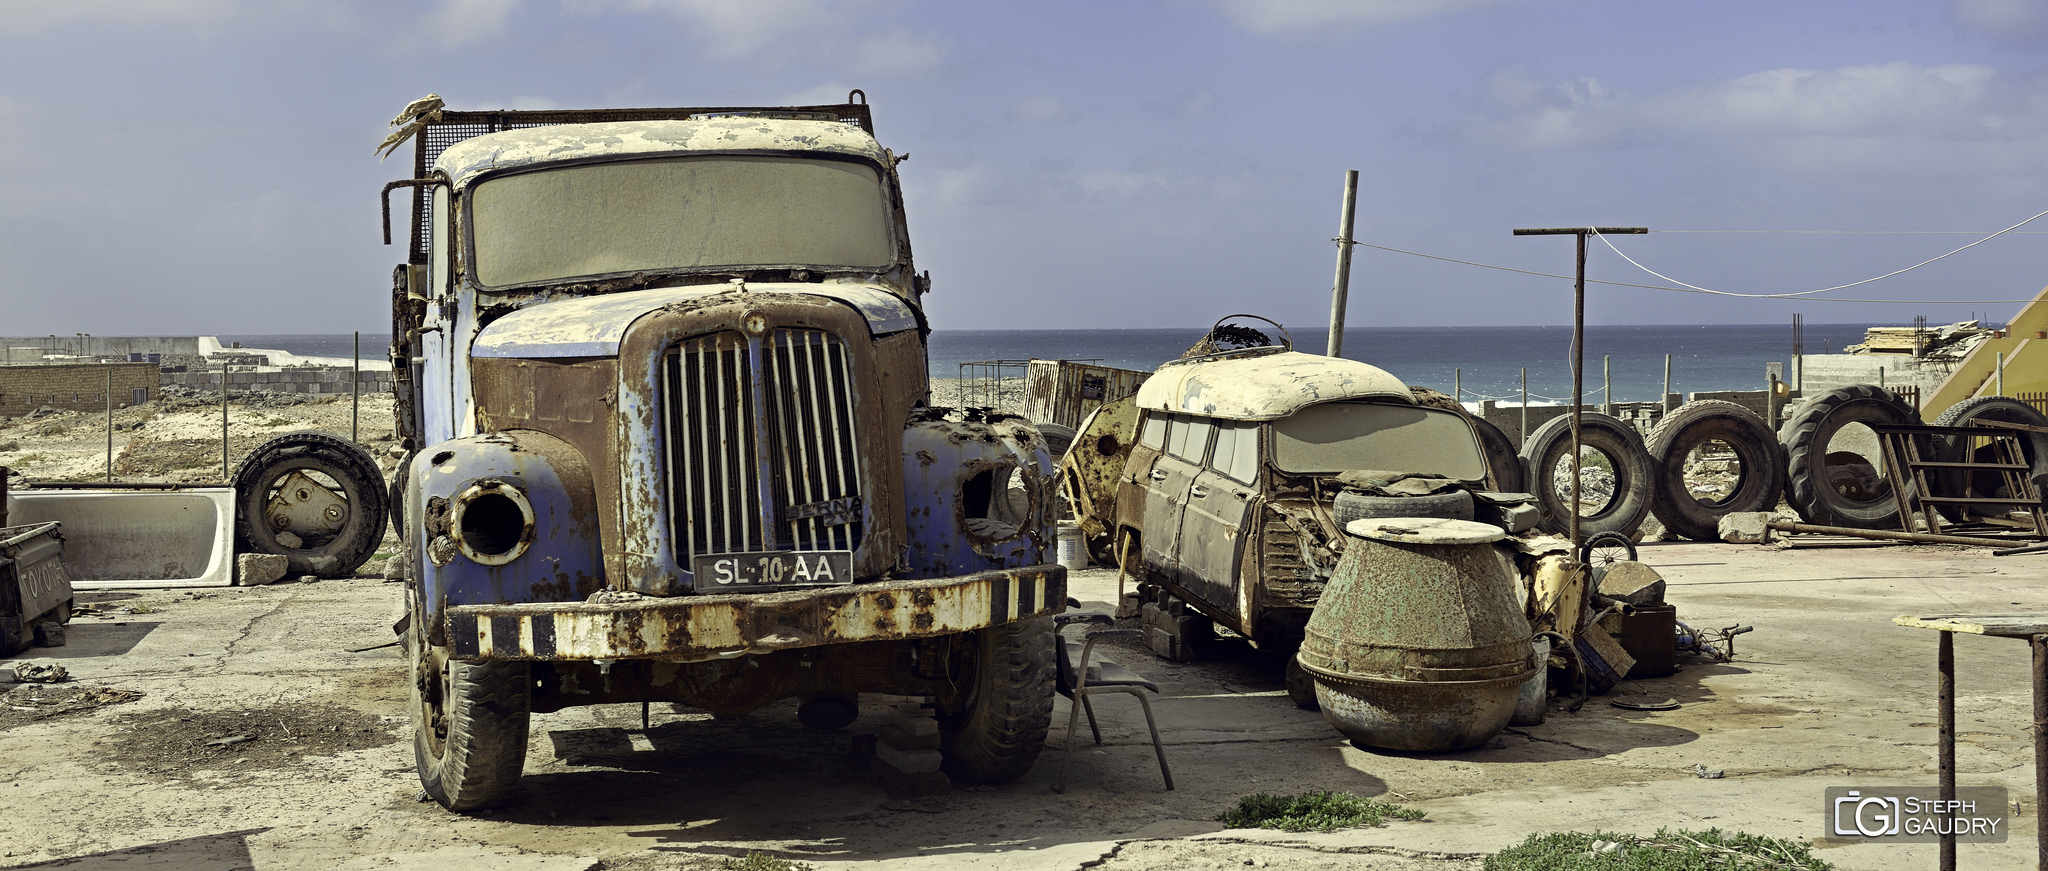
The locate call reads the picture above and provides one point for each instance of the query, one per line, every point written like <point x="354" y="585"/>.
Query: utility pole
<point x="1343" y="287"/>
<point x="1579" y="348"/>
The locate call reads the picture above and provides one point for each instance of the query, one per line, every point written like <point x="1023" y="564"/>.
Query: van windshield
<point x="680" y="214"/>
<point x="1349" y="436"/>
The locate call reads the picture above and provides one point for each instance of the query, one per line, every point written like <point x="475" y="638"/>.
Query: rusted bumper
<point x="693" y="628"/>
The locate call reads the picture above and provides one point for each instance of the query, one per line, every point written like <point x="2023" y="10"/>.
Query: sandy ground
<point x="1825" y="692"/>
<point x="180" y="440"/>
<point x="267" y="728"/>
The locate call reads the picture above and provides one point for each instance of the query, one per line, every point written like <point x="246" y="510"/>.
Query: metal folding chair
<point x="1081" y="676"/>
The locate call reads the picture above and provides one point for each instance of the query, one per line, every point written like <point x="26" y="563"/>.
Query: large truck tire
<point x="1501" y="459"/>
<point x="998" y="736"/>
<point x="1841" y="488"/>
<point x="1349" y="506"/>
<point x="1761" y="477"/>
<point x="1551" y="445"/>
<point x="470" y="722"/>
<point x="1956" y="482"/>
<point x="356" y="479"/>
<point x="1058" y="438"/>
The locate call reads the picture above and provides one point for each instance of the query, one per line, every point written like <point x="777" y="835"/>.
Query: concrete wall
<point x="1816" y="374"/>
<point x="74" y="386"/>
<point x="322" y="381"/>
<point x="92" y="346"/>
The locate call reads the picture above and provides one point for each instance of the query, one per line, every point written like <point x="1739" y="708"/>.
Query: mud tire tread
<point x="1695" y="423"/>
<point x="1816" y="504"/>
<point x="1549" y="444"/>
<point x="331" y="454"/>
<point x="485" y="751"/>
<point x="1349" y="506"/>
<point x="1000" y="734"/>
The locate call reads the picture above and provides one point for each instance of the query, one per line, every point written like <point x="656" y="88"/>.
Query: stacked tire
<point x="1989" y="484"/>
<point x="1759" y="466"/>
<point x="1550" y="447"/>
<point x="1830" y="485"/>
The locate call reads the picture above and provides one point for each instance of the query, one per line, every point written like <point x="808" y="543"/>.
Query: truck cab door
<point x="436" y="379"/>
<point x="1212" y="532"/>
<point x="1166" y="485"/>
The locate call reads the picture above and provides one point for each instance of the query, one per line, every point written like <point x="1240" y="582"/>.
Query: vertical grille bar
<point x="713" y="433"/>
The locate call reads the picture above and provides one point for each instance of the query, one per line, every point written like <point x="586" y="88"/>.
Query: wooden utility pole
<point x="1578" y="349"/>
<point x="1343" y="287"/>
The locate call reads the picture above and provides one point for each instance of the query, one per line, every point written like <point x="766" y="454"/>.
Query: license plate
<point x="800" y="568"/>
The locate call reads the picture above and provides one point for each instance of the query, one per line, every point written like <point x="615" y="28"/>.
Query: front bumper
<point x="696" y="628"/>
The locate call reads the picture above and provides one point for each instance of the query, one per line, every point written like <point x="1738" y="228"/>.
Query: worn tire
<point x="997" y="736"/>
<point x="362" y="486"/>
<point x="1693" y="424"/>
<point x="1058" y="438"/>
<point x="1551" y="443"/>
<point x="1349" y="506"/>
<point x="1853" y="495"/>
<point x="1501" y="460"/>
<point x="469" y="743"/>
<point x="2033" y="446"/>
<point x="1301" y="688"/>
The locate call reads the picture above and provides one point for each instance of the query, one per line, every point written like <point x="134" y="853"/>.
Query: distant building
<point x="74" y="386"/>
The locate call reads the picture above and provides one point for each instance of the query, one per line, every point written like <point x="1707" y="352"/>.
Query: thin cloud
<point x="1285" y="16"/>
<point x="2018" y="22"/>
<point x="1041" y="108"/>
<point x="456" y="23"/>
<point x="842" y="33"/>
<point x="35" y="16"/>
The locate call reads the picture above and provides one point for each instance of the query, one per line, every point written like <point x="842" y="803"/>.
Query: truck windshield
<point x="1348" y="436"/>
<point x="680" y="214"/>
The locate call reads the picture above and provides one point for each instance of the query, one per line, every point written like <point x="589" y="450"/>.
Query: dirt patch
<point x="29" y="702"/>
<point x="176" y="742"/>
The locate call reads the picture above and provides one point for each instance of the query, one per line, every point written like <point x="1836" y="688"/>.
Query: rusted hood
<point x="465" y="161"/>
<point x="591" y="326"/>
<point x="1264" y="385"/>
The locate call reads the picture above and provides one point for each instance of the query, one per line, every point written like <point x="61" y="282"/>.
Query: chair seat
<point x="1101" y="672"/>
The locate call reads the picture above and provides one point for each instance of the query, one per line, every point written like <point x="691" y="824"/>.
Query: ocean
<point x="1703" y="357"/>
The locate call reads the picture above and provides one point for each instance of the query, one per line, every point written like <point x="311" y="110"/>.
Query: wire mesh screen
<point x="453" y="127"/>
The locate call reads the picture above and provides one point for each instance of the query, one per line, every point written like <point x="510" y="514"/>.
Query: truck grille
<point x="761" y="461"/>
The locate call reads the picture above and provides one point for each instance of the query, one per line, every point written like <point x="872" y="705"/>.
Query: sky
<point x="173" y="167"/>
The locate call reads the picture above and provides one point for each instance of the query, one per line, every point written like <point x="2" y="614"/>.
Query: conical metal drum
<point x="1417" y="643"/>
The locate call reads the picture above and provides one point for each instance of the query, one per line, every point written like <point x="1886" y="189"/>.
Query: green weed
<point x="1711" y="850"/>
<point x="759" y="861"/>
<point x="1312" y="812"/>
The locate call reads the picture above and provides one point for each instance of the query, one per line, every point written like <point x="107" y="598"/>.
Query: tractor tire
<point x="1349" y="506"/>
<point x="470" y="723"/>
<point x="361" y="486"/>
<point x="1842" y="488"/>
<point x="1058" y="438"/>
<point x="999" y="734"/>
<point x="2033" y="447"/>
<point x="1501" y="460"/>
<point x="1761" y="458"/>
<point x="1551" y="444"/>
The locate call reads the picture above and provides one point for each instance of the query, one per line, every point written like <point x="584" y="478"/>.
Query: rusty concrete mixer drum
<point x="1418" y="643"/>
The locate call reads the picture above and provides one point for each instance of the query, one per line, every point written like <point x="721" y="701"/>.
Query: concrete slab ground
<point x="1826" y="692"/>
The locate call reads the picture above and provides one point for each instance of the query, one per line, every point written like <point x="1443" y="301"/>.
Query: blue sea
<point x="1487" y="361"/>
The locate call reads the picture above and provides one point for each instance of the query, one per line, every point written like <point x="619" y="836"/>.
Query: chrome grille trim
<point x="754" y="429"/>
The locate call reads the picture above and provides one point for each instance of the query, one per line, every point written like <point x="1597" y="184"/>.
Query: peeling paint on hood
<point x="558" y="143"/>
<point x="591" y="326"/>
<point x="1264" y="384"/>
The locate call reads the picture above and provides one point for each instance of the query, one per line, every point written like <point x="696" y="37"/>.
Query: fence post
<point x="1522" y="437"/>
<point x="1458" y="385"/>
<point x="1665" y="399"/>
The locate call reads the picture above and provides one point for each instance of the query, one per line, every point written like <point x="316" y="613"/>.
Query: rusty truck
<point x="661" y="376"/>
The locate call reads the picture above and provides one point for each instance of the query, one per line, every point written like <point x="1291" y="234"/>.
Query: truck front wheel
<point x="998" y="735"/>
<point x="469" y="725"/>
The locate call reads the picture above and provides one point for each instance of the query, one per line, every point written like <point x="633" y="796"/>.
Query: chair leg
<point x="1157" y="748"/>
<point x="1089" y="706"/>
<point x="1073" y="720"/>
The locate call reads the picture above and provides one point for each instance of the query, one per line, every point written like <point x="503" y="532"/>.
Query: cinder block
<point x="907" y="761"/>
<point x="904" y="784"/>
<point x="913" y="725"/>
<point x="256" y="569"/>
<point x="903" y="739"/>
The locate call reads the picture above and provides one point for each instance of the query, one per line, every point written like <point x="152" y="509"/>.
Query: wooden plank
<point x="2005" y="625"/>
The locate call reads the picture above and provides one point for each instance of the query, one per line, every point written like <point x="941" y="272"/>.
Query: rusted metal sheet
<point x="592" y="326"/>
<point x="33" y="583"/>
<point x="1263" y="384"/>
<point x="1063" y="392"/>
<point x="465" y="161"/>
<point x="696" y="628"/>
<point x="978" y="493"/>
<point x="1091" y="468"/>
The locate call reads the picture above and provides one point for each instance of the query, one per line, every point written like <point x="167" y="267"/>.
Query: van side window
<point x="1190" y="437"/>
<point x="1244" y="463"/>
<point x="1154" y="436"/>
<point x="1226" y="445"/>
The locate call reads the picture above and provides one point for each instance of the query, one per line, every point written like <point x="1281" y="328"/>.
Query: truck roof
<point x="1264" y="384"/>
<point x="571" y="143"/>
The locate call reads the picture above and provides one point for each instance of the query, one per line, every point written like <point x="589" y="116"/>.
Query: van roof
<point x="1264" y="384"/>
<point x="570" y="143"/>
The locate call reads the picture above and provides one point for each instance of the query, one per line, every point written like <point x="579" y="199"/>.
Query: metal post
<point x="1880" y="377"/>
<point x="110" y="424"/>
<point x="224" y="422"/>
<point x="1343" y="263"/>
<point x="2001" y="373"/>
<point x="355" y="387"/>
<point x="1771" y="399"/>
<point x="3" y="508"/>
<point x="1665" y="400"/>
<point x="2040" y="644"/>
<point x="1945" y="775"/>
<point x="1607" y="384"/>
<point x="1522" y="438"/>
<point x="1458" y="385"/>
